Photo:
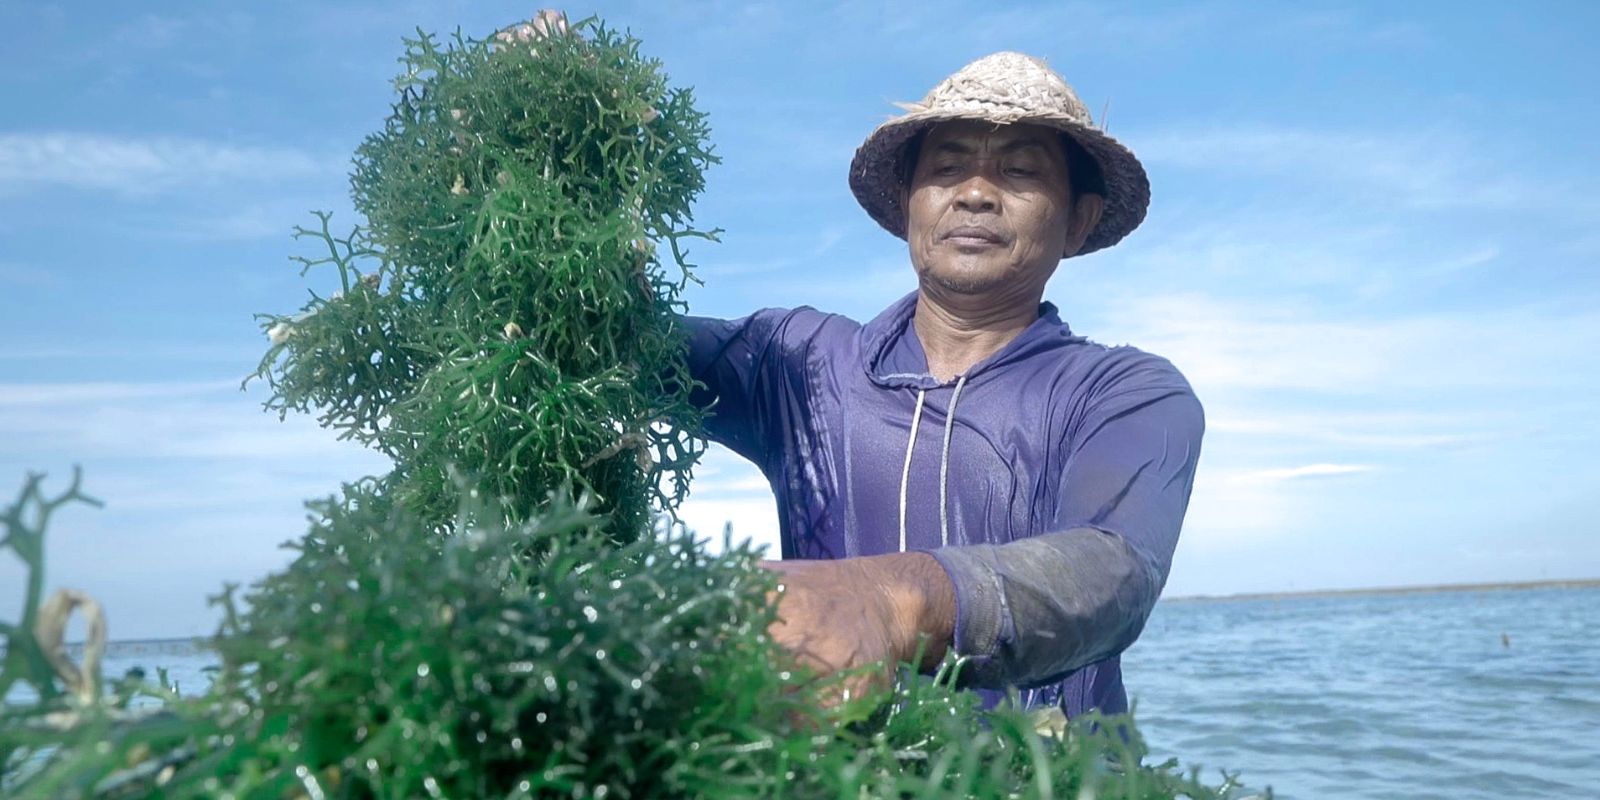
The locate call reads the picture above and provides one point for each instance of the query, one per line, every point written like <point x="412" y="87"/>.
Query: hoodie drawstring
<point x="905" y="475"/>
<point x="944" y="463"/>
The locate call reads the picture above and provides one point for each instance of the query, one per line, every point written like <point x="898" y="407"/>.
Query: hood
<point x="892" y="355"/>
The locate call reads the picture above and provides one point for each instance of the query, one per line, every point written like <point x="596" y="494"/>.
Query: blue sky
<point x="1372" y="249"/>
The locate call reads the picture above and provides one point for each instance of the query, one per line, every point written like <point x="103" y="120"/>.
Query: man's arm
<point x="753" y="375"/>
<point x="1031" y="611"/>
<point x="726" y="361"/>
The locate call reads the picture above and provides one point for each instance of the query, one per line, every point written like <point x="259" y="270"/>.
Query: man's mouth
<point x="972" y="236"/>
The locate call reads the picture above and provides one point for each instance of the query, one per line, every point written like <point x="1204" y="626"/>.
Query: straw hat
<point x="1003" y="88"/>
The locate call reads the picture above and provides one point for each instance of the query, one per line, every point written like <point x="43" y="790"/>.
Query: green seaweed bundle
<point x="508" y="612"/>
<point x="389" y="661"/>
<point x="504" y="311"/>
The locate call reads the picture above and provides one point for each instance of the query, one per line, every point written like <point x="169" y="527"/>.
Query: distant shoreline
<point x="1578" y="583"/>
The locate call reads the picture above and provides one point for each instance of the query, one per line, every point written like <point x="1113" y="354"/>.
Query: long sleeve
<point x="736" y="364"/>
<point x="1031" y="611"/>
<point x="753" y="377"/>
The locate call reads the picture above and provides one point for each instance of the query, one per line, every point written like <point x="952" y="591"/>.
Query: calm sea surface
<point x="1379" y="696"/>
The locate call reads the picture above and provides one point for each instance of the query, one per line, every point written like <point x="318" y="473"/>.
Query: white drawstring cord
<point x="905" y="475"/>
<point x="944" y="468"/>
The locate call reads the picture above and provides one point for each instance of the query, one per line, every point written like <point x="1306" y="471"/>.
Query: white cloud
<point x="1233" y="506"/>
<point x="199" y="486"/>
<point x="150" y="31"/>
<point x="121" y="350"/>
<point x="139" y="166"/>
<point x="1267" y="248"/>
<point x="1298" y="473"/>
<point x="1426" y="169"/>
<point x="249" y="221"/>
<point x="723" y="474"/>
<point x="206" y="420"/>
<point x="1224" y="510"/>
<point x="902" y="28"/>
<point x="873" y="285"/>
<point x="755" y="519"/>
<point x="152" y="569"/>
<point x="1226" y="344"/>
<point x="1340" y="29"/>
<point x="51" y="395"/>
<point x="729" y="491"/>
<point x="28" y="276"/>
<point x="1369" y="430"/>
<point x="800" y="251"/>
<point x="1290" y="382"/>
<point x="754" y="483"/>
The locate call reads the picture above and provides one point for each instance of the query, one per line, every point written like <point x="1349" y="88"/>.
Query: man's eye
<point x="946" y="169"/>
<point x="1021" y="172"/>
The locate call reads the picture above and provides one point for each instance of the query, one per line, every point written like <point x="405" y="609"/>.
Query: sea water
<point x="1456" y="694"/>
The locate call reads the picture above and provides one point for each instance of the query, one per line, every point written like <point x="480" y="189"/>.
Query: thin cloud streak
<point x="1307" y="471"/>
<point x="134" y="166"/>
<point x="1372" y="431"/>
<point x="1230" y="344"/>
<point x="50" y="394"/>
<point x="28" y="277"/>
<point x="176" y="420"/>
<point x="1419" y="169"/>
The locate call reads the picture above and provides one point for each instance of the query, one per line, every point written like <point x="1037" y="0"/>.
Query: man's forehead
<point x="972" y="134"/>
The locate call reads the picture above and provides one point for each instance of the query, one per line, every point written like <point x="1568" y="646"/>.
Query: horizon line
<point x="1432" y="588"/>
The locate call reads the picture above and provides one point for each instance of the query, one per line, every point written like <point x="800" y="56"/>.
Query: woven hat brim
<point x="876" y="169"/>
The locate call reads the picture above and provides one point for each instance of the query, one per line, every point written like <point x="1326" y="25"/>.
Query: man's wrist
<point x="922" y="601"/>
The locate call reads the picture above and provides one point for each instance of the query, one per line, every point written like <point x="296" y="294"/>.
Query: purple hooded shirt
<point x="1050" y="481"/>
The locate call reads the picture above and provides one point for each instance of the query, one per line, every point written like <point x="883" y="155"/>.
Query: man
<point x="963" y="467"/>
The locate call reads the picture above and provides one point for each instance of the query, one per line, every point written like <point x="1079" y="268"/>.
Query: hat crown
<point x="1006" y="87"/>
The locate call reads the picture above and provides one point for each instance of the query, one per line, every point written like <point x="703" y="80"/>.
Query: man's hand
<point x="547" y="23"/>
<point x="835" y="616"/>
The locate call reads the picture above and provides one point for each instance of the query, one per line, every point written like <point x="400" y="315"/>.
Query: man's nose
<point x="977" y="194"/>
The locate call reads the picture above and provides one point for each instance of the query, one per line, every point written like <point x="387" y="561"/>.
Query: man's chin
<point x="964" y="282"/>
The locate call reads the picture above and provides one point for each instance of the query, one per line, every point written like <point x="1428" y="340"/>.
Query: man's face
<point x="990" y="208"/>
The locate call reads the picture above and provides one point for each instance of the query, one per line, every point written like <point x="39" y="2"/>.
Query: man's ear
<point x="1086" y="210"/>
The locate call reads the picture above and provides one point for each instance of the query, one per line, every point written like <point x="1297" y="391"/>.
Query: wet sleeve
<point x="1032" y="611"/>
<point x="743" y="368"/>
